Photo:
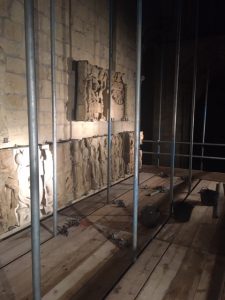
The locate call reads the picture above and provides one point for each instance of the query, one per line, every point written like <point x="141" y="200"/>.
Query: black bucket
<point x="209" y="197"/>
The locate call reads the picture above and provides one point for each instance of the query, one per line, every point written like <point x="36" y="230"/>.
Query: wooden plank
<point x="131" y="283"/>
<point x="67" y="287"/>
<point x="59" y="257"/>
<point x="211" y="284"/>
<point x="19" y="244"/>
<point x="205" y="279"/>
<point x="186" y="281"/>
<point x="157" y="285"/>
<point x="51" y="255"/>
<point x="187" y="232"/>
<point x="204" y="175"/>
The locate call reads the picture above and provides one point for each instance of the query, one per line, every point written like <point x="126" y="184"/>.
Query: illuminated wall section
<point x="81" y="38"/>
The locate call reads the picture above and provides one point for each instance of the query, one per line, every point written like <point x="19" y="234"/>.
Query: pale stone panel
<point x="81" y="170"/>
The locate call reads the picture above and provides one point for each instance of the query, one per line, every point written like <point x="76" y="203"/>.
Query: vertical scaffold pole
<point x="54" y="117"/>
<point x="137" y="127"/>
<point x="193" y="96"/>
<point x="33" y="146"/>
<point x="160" y="105"/>
<point x="174" y="120"/>
<point x="205" y="118"/>
<point x="109" y="160"/>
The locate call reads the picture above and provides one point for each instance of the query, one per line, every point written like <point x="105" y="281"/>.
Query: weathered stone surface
<point x="21" y="157"/>
<point x="81" y="169"/>
<point x="118" y="97"/>
<point x="65" y="174"/>
<point x="9" y="192"/>
<point x="92" y="97"/>
<point x="91" y="87"/>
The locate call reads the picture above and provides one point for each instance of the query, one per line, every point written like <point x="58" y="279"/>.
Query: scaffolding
<point x="33" y="128"/>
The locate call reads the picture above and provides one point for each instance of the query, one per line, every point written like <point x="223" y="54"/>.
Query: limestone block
<point x="4" y="8"/>
<point x="15" y="84"/>
<point x="45" y="88"/>
<point x="82" y="129"/>
<point x="17" y="11"/>
<point x="13" y="31"/>
<point x="13" y="48"/>
<point x="15" y="65"/>
<point x="3" y="125"/>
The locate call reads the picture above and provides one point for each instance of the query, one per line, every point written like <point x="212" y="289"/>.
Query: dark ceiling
<point x="159" y="18"/>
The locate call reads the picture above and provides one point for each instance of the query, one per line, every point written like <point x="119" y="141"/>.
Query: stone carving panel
<point x="9" y="191"/>
<point x="90" y="162"/>
<point x="91" y="89"/>
<point x="91" y="93"/>
<point x="81" y="169"/>
<point x="21" y="156"/>
<point x="118" y="97"/>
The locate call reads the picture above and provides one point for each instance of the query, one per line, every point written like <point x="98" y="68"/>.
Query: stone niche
<point x="91" y="95"/>
<point x="81" y="170"/>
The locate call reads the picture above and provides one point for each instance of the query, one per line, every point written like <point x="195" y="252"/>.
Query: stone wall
<point x="82" y="39"/>
<point x="81" y="35"/>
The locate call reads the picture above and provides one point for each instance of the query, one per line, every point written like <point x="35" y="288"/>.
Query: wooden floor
<point x="184" y="261"/>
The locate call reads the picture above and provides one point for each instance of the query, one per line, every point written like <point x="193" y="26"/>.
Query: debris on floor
<point x="156" y="190"/>
<point x="163" y="175"/>
<point x="149" y="216"/>
<point x="63" y="230"/>
<point x="119" y="203"/>
<point x="119" y="241"/>
<point x="145" y="187"/>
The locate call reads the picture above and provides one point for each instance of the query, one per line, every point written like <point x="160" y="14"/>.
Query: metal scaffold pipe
<point x="33" y="146"/>
<point x="54" y="117"/>
<point x="193" y="95"/>
<point x="137" y="127"/>
<point x="176" y="85"/>
<point x="160" y="104"/>
<point x="109" y="160"/>
<point x="205" y="118"/>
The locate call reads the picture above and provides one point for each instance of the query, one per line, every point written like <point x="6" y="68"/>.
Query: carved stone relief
<point x="21" y="156"/>
<point x="9" y="191"/>
<point x="91" y="82"/>
<point x="118" y="97"/>
<point x="81" y="169"/>
<point x="91" y="96"/>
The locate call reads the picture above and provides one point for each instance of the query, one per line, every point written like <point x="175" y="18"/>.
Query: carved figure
<point x="118" y="88"/>
<point x="47" y="199"/>
<point x="23" y="171"/>
<point x="86" y="167"/>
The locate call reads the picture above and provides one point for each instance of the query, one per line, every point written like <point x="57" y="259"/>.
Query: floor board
<point x="184" y="261"/>
<point x="193" y="263"/>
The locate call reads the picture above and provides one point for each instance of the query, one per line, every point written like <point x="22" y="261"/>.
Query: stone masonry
<point x="82" y="34"/>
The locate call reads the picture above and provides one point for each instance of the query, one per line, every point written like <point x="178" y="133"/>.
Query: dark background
<point x="159" y="28"/>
